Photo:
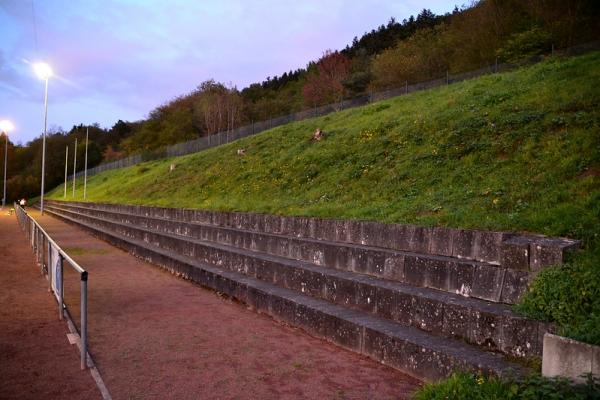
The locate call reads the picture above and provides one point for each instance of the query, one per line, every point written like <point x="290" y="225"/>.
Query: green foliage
<point x="425" y="55"/>
<point x="570" y="296"/>
<point x="464" y="386"/>
<point x="524" y="45"/>
<point x="468" y="387"/>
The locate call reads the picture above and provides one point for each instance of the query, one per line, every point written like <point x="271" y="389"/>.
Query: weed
<point x="471" y="387"/>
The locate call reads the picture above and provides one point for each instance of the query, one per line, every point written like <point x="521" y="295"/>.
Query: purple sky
<point x="119" y="59"/>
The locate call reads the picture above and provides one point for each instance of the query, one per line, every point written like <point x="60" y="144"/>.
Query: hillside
<point x="509" y="151"/>
<point x="514" y="151"/>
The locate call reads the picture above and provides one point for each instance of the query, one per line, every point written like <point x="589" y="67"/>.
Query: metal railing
<point x="51" y="259"/>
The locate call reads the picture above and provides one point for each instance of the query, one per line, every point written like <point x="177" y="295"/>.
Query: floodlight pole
<point x="5" y="161"/>
<point x="44" y="146"/>
<point x="74" y="166"/>
<point x="87" y="133"/>
<point x="66" y="163"/>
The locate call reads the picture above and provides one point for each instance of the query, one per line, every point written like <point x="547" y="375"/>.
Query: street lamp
<point x="44" y="72"/>
<point x="5" y="127"/>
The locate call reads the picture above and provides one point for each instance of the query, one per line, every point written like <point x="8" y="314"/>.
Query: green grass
<point x="514" y="151"/>
<point x="462" y="386"/>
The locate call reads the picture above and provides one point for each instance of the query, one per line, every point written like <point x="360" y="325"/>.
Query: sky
<point x="120" y="59"/>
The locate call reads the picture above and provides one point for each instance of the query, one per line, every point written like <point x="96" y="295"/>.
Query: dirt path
<point x="36" y="360"/>
<point x="154" y="336"/>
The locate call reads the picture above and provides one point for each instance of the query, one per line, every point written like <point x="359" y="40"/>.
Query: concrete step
<point x="493" y="326"/>
<point x="406" y="348"/>
<point x="524" y="252"/>
<point x="469" y="278"/>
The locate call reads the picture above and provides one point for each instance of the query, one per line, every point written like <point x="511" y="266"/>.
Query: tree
<point x="477" y="32"/>
<point x="324" y="84"/>
<point x="568" y="21"/>
<point x="210" y="107"/>
<point x="523" y="45"/>
<point x="425" y="55"/>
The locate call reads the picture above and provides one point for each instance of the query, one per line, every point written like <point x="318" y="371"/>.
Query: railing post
<point x="49" y="267"/>
<point x="84" y="277"/>
<point x="39" y="247"/>
<point x="37" y="244"/>
<point x="60" y="288"/>
<point x="43" y="251"/>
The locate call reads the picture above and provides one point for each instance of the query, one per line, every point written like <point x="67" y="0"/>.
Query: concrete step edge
<point x="424" y="356"/>
<point x="433" y="311"/>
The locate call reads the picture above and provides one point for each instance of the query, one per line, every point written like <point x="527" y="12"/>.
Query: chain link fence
<point x="206" y="142"/>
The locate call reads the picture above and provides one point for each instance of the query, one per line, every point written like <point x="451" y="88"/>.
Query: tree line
<point x="415" y="49"/>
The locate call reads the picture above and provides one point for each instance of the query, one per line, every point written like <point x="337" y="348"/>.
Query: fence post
<point x="447" y="77"/>
<point x="84" y="320"/>
<point x="406" y="87"/>
<point x="49" y="267"/>
<point x="45" y="253"/>
<point x="34" y="241"/>
<point x="37" y="244"/>
<point x="60" y="288"/>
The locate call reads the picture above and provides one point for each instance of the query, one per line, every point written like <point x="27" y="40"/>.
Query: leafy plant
<point x="570" y="296"/>
<point x="463" y="386"/>
<point x="523" y="45"/>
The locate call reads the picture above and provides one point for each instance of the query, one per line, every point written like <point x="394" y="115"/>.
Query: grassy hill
<point x="513" y="151"/>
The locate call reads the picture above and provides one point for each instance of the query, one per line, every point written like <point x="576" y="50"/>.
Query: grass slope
<point x="513" y="151"/>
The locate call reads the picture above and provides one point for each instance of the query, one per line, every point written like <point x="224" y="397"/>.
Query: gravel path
<point x="154" y="336"/>
<point x="36" y="360"/>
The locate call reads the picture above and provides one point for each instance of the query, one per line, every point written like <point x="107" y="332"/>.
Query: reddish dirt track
<point x="36" y="360"/>
<point x="155" y="336"/>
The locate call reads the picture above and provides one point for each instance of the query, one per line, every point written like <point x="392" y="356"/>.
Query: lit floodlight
<point x="6" y="126"/>
<point x="42" y="70"/>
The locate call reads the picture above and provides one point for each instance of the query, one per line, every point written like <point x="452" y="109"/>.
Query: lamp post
<point x="5" y="126"/>
<point x="74" y="166"/>
<point x="44" y="72"/>
<point x="87" y="133"/>
<point x="66" y="162"/>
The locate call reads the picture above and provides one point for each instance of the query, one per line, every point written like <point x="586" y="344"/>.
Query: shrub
<point x="570" y="296"/>
<point x="524" y="45"/>
<point x="535" y="387"/>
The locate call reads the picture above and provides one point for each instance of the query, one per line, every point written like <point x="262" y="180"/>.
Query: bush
<point x="570" y="296"/>
<point x="463" y="386"/>
<point x="524" y="45"/>
<point x="468" y="387"/>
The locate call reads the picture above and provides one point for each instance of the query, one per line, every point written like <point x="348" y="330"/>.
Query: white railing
<point x="51" y="259"/>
